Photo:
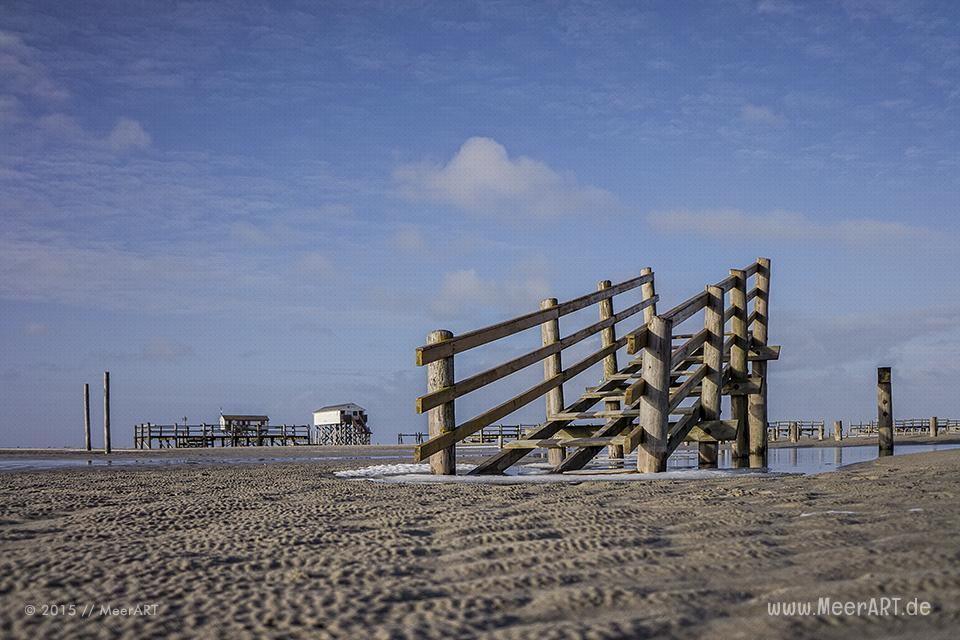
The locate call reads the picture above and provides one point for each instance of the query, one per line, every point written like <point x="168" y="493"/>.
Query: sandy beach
<point x="289" y="550"/>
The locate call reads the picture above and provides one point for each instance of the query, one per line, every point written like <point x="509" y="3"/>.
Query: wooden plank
<point x="686" y="309"/>
<point x="885" y="410"/>
<point x="550" y="334"/>
<point x="430" y="353"/>
<point x="634" y="392"/>
<point x="738" y="367"/>
<point x="726" y="284"/>
<point x="684" y="351"/>
<point x="684" y="390"/>
<point x="713" y="431"/>
<point x="683" y="426"/>
<point x="493" y="374"/>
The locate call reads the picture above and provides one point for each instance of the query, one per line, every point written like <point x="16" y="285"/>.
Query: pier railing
<point x="908" y="425"/>
<point x="178" y="436"/>
<point x="674" y="368"/>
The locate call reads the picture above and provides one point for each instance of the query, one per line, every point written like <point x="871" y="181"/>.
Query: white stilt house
<point x="341" y="424"/>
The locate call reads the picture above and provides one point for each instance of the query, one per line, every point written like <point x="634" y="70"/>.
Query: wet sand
<point x="288" y="550"/>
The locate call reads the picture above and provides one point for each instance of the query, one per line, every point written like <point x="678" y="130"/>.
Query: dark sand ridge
<point x="288" y="550"/>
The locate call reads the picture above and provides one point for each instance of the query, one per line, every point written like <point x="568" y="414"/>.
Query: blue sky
<point x="266" y="207"/>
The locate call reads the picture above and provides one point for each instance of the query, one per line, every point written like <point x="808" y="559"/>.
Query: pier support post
<point x="710" y="386"/>
<point x="885" y="411"/>
<point x="757" y="402"/>
<point x="106" y="412"/>
<point x="820" y="431"/>
<point x="550" y="334"/>
<point x="838" y="430"/>
<point x="607" y="337"/>
<point x="933" y="427"/>
<point x="86" y="417"/>
<point x="794" y="432"/>
<point x="442" y="418"/>
<point x="652" y="453"/>
<point x="748" y="439"/>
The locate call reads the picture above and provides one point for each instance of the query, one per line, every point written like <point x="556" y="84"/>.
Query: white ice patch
<point x="381" y="471"/>
<point x="831" y="512"/>
<point x="528" y="474"/>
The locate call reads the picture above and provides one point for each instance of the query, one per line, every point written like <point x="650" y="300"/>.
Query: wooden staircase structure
<point x="669" y="391"/>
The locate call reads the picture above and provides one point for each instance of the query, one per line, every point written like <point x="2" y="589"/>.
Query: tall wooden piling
<point x="86" y="417"/>
<point x="712" y="359"/>
<point x="838" y="430"/>
<point x="106" y="412"/>
<point x="607" y="337"/>
<point x="794" y="432"/>
<point x="757" y="402"/>
<point x="933" y="427"/>
<point x="746" y="440"/>
<point x="442" y="418"/>
<point x="655" y="403"/>
<point x="820" y="431"/>
<point x="885" y="411"/>
<point x="550" y="334"/>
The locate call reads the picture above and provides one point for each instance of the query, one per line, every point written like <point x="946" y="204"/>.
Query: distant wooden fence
<point x="910" y="425"/>
<point x="179" y="436"/>
<point x="794" y="429"/>
<point x="638" y="399"/>
<point x="494" y="434"/>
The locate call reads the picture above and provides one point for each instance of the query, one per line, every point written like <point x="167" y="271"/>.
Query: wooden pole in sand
<point x="885" y="411"/>
<point x="749" y="439"/>
<point x="710" y="386"/>
<point x="933" y="427"/>
<point x="607" y="337"/>
<point x="550" y="334"/>
<point x="654" y="405"/>
<point x="441" y="418"/>
<point x="820" y="431"/>
<point x="794" y="432"/>
<point x="86" y="417"/>
<point x="106" y="412"/>
<point x="838" y="430"/>
<point x="757" y="402"/>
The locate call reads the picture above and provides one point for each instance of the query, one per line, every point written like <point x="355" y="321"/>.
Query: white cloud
<point x="482" y="178"/>
<point x="22" y="73"/>
<point x="409" y="239"/>
<point x="761" y="115"/>
<point x="782" y="225"/>
<point x="128" y="134"/>
<point x="464" y="290"/>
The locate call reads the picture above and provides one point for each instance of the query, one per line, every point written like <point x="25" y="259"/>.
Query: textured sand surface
<point x="287" y="550"/>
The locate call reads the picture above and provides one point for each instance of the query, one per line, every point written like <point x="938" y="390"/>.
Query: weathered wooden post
<point x="820" y="431"/>
<point x="652" y="453"/>
<point x="550" y="334"/>
<point x="710" y="397"/>
<point x="838" y="430"/>
<point x="933" y="427"/>
<point x="86" y="417"/>
<point x="794" y="432"/>
<point x="885" y="411"/>
<point x="106" y="412"/>
<point x="749" y="438"/>
<point x="441" y="418"/>
<point x="607" y="337"/>
<point x="757" y="402"/>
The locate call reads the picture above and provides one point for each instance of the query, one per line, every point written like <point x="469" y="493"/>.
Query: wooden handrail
<point x="433" y="352"/>
<point x="493" y="374"/>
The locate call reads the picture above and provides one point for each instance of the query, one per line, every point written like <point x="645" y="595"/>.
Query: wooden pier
<point x="671" y="373"/>
<point x="183" y="436"/>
